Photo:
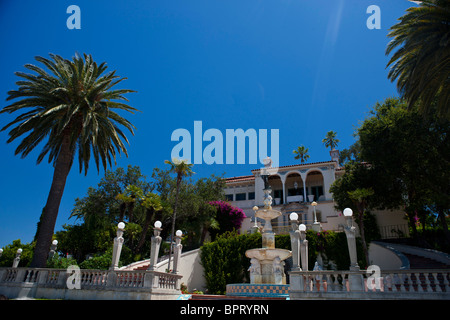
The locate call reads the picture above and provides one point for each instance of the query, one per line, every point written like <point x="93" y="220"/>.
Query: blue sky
<point x="302" y="67"/>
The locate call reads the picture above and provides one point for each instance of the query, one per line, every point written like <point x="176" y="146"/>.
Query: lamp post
<point x="316" y="224"/>
<point x="178" y="248"/>
<point x="303" y="247"/>
<point x="255" y="226"/>
<point x="355" y="280"/>
<point x="118" y="242"/>
<point x="295" y="242"/>
<point x="156" y="243"/>
<point x="17" y="258"/>
<point x="52" y="249"/>
<point x="1" y="252"/>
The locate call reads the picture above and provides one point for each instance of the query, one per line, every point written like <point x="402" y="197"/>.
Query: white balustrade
<point x="398" y="281"/>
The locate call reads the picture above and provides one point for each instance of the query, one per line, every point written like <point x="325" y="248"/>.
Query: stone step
<point x="419" y="262"/>
<point x="144" y="267"/>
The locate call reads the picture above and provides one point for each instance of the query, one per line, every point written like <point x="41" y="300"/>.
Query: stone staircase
<point x="144" y="267"/>
<point x="420" y="258"/>
<point x="419" y="262"/>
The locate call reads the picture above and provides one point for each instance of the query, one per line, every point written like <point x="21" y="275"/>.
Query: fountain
<point x="267" y="277"/>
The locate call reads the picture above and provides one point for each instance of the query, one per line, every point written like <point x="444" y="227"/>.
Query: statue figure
<point x="278" y="270"/>
<point x="277" y="266"/>
<point x="255" y="267"/>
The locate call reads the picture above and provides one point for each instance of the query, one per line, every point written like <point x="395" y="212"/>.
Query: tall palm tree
<point x="152" y="203"/>
<point x="330" y="140"/>
<point x="301" y="153"/>
<point x="128" y="199"/>
<point x="421" y="63"/>
<point x="182" y="169"/>
<point x="70" y="106"/>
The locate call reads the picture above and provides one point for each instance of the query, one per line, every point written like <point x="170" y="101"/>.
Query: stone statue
<point x="255" y="267"/>
<point x="277" y="266"/>
<point x="278" y="270"/>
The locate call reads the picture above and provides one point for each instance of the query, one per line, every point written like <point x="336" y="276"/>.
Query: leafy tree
<point x="229" y="218"/>
<point x="10" y="251"/>
<point x="98" y="213"/>
<point x="421" y="63"/>
<point x="182" y="169"/>
<point x="361" y="198"/>
<point x="72" y="107"/>
<point x="152" y="203"/>
<point x="411" y="154"/>
<point x="352" y="153"/>
<point x="330" y="140"/>
<point x="129" y="197"/>
<point x="356" y="190"/>
<point x="301" y="153"/>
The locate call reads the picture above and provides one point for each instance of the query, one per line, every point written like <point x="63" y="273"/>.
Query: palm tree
<point x="421" y="63"/>
<point x="128" y="199"/>
<point x="152" y="203"/>
<point x="182" y="169"/>
<point x="71" y="107"/>
<point x="330" y="140"/>
<point x="301" y="153"/>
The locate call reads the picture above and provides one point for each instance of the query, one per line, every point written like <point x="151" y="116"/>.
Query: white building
<point x="294" y="188"/>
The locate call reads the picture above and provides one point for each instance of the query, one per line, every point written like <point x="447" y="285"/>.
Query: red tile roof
<point x="240" y="179"/>
<point x="252" y="177"/>
<point x="300" y="165"/>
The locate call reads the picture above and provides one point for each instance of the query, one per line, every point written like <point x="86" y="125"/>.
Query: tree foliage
<point x="70" y="107"/>
<point x="421" y="64"/>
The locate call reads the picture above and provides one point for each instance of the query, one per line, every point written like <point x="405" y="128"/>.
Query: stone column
<point x="17" y="258"/>
<point x="117" y="249"/>
<point x="355" y="280"/>
<point x="304" y="189"/>
<point x="303" y="247"/>
<point x="350" y="232"/>
<point x="295" y="242"/>
<point x="156" y="243"/>
<point x="177" y="253"/>
<point x="283" y="182"/>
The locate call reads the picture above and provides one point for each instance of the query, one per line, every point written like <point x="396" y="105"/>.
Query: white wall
<point x="190" y="268"/>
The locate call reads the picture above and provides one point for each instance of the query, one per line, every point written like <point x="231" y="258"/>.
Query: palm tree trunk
<point x="148" y="220"/>
<point x="48" y="221"/>
<point x="179" y="177"/>
<point x="363" y="237"/>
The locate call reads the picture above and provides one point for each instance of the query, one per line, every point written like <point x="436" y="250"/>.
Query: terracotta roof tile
<point x="240" y="179"/>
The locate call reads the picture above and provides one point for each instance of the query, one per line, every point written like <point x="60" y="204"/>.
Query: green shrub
<point x="58" y="262"/>
<point x="224" y="260"/>
<point x="10" y="250"/>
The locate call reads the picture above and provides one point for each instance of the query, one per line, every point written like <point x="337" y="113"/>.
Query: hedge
<point x="224" y="259"/>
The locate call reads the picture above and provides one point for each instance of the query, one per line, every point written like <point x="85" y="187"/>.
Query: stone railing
<point x="399" y="284"/>
<point x="61" y="284"/>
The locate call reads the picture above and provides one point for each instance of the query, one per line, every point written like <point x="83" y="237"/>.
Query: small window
<point x="241" y="196"/>
<point x="251" y="196"/>
<point x="229" y="197"/>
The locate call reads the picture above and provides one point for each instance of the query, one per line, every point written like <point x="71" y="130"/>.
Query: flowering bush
<point x="229" y="218"/>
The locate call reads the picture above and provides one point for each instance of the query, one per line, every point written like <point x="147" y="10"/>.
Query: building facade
<point x="294" y="189"/>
